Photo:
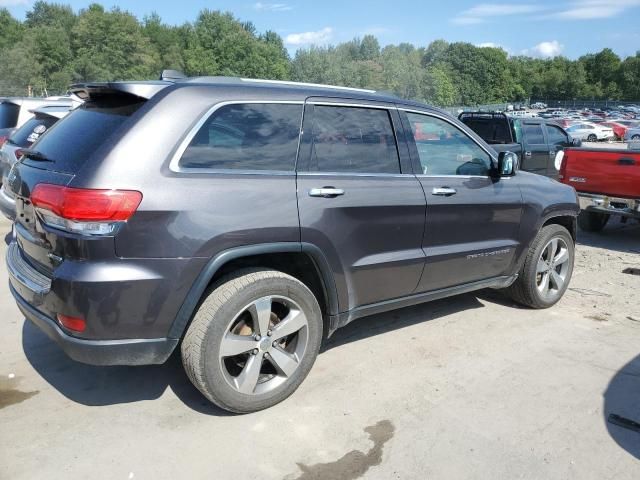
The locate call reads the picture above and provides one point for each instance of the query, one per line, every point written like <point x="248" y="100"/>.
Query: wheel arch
<point x="301" y="260"/>
<point x="566" y="220"/>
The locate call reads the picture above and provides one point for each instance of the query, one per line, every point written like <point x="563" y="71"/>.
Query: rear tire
<point x="547" y="269"/>
<point x="237" y="351"/>
<point x="635" y="137"/>
<point x="592" y="221"/>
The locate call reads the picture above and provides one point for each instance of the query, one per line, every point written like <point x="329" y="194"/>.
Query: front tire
<point x="253" y="340"/>
<point x="547" y="269"/>
<point x="592" y="221"/>
<point x="592" y="138"/>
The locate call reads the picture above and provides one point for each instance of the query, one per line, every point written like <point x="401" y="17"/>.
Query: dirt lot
<point x="468" y="387"/>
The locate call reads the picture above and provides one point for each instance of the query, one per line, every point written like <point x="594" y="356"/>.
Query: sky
<point x="543" y="28"/>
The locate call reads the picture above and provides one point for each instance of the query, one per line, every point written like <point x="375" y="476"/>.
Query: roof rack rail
<point x="302" y="84"/>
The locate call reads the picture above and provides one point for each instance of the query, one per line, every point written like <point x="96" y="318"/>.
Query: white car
<point x="590" y="132"/>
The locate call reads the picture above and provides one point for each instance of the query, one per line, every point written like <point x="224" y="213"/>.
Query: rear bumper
<point x="627" y="207"/>
<point x="99" y="352"/>
<point x="128" y="307"/>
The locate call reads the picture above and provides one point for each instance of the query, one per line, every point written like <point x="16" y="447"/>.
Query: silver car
<point x="632" y="134"/>
<point x="42" y="119"/>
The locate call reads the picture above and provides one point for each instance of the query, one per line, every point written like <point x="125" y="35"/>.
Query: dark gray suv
<point x="247" y="220"/>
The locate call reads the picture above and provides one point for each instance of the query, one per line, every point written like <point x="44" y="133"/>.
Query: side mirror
<point x="576" y="142"/>
<point x="507" y="164"/>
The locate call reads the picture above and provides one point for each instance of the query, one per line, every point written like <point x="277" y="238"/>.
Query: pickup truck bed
<point x="607" y="182"/>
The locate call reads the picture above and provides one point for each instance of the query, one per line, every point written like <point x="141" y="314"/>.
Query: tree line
<point x="55" y="47"/>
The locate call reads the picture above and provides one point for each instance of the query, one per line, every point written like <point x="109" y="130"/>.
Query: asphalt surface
<point x="470" y="387"/>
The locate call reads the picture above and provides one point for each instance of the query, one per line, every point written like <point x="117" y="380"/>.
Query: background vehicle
<point x="15" y="111"/>
<point x="535" y="141"/>
<point x="44" y="118"/>
<point x="607" y="182"/>
<point x="632" y="134"/>
<point x="619" y="130"/>
<point x="590" y="132"/>
<point x="226" y="233"/>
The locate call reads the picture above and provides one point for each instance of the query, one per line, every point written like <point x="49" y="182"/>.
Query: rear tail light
<point x="84" y="211"/>
<point x="18" y="154"/>
<point x="2" y="140"/>
<point x="72" y="323"/>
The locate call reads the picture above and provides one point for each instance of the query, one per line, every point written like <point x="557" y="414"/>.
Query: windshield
<point x="76" y="137"/>
<point x="9" y="115"/>
<point x="26" y="135"/>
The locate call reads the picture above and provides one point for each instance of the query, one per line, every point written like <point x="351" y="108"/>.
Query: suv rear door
<point x="359" y="201"/>
<point x="473" y="219"/>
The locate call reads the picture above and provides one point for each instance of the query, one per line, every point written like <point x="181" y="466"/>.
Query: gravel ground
<point x="467" y="387"/>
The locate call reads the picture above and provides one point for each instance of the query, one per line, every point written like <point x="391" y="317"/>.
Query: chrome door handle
<point x="444" y="191"/>
<point x="326" y="192"/>
<point x="527" y="154"/>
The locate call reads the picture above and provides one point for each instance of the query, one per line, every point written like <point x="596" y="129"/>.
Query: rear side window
<point x="247" y="137"/>
<point x="27" y="134"/>
<point x="533" y="133"/>
<point x="351" y="139"/>
<point x="9" y="115"/>
<point x="77" y="136"/>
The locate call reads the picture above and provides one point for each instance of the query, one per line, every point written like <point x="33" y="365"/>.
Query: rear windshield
<point x="9" y="115"/>
<point x="31" y="131"/>
<point x="77" y="136"/>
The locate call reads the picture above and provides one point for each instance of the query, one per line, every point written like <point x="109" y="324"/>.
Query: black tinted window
<point x="247" y="137"/>
<point x="349" y="139"/>
<point x="9" y="115"/>
<point x="533" y="134"/>
<point x="77" y="136"/>
<point x="444" y="149"/>
<point x="31" y="131"/>
<point x="556" y="135"/>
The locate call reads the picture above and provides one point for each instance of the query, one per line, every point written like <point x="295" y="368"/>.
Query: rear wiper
<point x="36" y="155"/>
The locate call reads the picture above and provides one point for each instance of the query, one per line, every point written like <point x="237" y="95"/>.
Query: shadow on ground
<point x="99" y="386"/>
<point x="622" y="398"/>
<point x="619" y="237"/>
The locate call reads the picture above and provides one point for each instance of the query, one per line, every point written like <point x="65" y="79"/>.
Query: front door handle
<point x="326" y="192"/>
<point x="527" y="154"/>
<point x="444" y="191"/>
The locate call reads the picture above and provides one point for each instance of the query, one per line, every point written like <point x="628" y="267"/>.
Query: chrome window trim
<point x="356" y="174"/>
<point x="324" y="103"/>
<point x="174" y="163"/>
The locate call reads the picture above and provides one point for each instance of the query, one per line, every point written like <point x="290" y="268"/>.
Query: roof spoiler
<point x="144" y="90"/>
<point x="172" y="75"/>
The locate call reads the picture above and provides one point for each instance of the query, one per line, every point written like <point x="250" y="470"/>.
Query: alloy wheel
<point x="264" y="345"/>
<point x="552" y="268"/>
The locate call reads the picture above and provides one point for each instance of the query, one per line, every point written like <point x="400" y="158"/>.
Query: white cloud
<point x="592" y="9"/>
<point x="486" y="11"/>
<point x="270" y="7"/>
<point x="489" y="45"/>
<point x="13" y="3"/>
<point x="549" y="49"/>
<point x="309" y="38"/>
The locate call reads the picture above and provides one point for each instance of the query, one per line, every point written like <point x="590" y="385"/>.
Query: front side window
<point x="533" y="134"/>
<point x="353" y="139"/>
<point x="260" y="136"/>
<point x="556" y="135"/>
<point x="444" y="149"/>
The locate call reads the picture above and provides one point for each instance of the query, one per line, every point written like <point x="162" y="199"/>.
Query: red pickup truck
<point x="607" y="182"/>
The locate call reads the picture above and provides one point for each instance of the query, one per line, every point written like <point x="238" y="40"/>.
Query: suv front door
<point x="359" y="201"/>
<point x="473" y="219"/>
<point x="558" y="141"/>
